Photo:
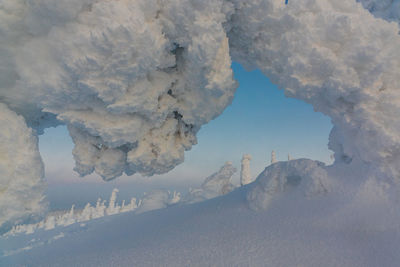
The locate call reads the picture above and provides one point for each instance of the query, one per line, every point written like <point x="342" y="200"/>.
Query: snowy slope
<point x="338" y="228"/>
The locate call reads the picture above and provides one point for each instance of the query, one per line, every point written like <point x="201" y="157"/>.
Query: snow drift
<point x="349" y="229"/>
<point x="135" y="80"/>
<point x="307" y="176"/>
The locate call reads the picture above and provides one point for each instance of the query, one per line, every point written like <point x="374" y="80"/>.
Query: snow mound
<point x="215" y="185"/>
<point x="157" y="199"/>
<point x="360" y="230"/>
<point x="303" y="175"/>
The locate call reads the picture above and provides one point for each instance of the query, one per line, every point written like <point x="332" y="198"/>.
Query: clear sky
<point x="260" y="119"/>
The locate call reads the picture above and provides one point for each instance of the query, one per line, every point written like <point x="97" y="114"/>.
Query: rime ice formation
<point x="58" y="219"/>
<point x="245" y="172"/>
<point x="385" y="9"/>
<point x="135" y="80"/>
<point x="273" y="157"/>
<point x="337" y="57"/>
<point x="156" y="199"/>
<point x="21" y="170"/>
<point x="215" y="185"/>
<point x="304" y="175"/>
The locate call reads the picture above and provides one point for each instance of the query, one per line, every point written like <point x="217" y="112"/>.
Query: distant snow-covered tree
<point x="245" y="173"/>
<point x="273" y="157"/>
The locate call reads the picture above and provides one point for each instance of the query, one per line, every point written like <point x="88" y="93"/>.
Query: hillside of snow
<point x="308" y="220"/>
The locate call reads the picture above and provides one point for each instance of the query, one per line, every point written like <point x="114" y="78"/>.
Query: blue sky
<point x="260" y="119"/>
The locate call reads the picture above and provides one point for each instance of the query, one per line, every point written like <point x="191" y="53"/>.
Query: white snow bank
<point x="344" y="229"/>
<point x="21" y="171"/>
<point x="303" y="175"/>
<point x="215" y="185"/>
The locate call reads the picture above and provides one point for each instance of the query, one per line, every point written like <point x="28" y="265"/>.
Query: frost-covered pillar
<point x="273" y="157"/>
<point x="112" y="208"/>
<point x="21" y="171"/>
<point x="245" y="173"/>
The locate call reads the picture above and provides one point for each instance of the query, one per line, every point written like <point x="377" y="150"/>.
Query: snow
<point x="348" y="225"/>
<point x="245" y="172"/>
<point x="385" y="9"/>
<point x="134" y="81"/>
<point x="22" y="183"/>
<point x="217" y="184"/>
<point x="307" y="176"/>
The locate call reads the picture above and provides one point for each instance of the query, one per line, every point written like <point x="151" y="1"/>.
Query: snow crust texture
<point x="135" y="80"/>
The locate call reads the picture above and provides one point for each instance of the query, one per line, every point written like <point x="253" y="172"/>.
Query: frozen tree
<point x="215" y="185"/>
<point x="156" y="199"/>
<point x="100" y="208"/>
<point x="50" y="223"/>
<point x="245" y="173"/>
<point x="273" y="157"/>
<point x="113" y="208"/>
<point x="175" y="198"/>
<point x="307" y="176"/>
<point x="86" y="214"/>
<point x="132" y="204"/>
<point x="289" y="157"/>
<point x="69" y="218"/>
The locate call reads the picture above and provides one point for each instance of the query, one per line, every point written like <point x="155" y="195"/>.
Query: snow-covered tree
<point x="273" y="157"/>
<point x="112" y="207"/>
<point x="245" y="173"/>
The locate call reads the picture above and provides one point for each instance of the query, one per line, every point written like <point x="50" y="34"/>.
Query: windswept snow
<point x="355" y="227"/>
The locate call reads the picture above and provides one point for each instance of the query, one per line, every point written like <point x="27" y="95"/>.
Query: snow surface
<point x="354" y="224"/>
<point x="134" y="80"/>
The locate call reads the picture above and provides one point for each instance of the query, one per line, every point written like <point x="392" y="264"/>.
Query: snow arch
<point x="135" y="80"/>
